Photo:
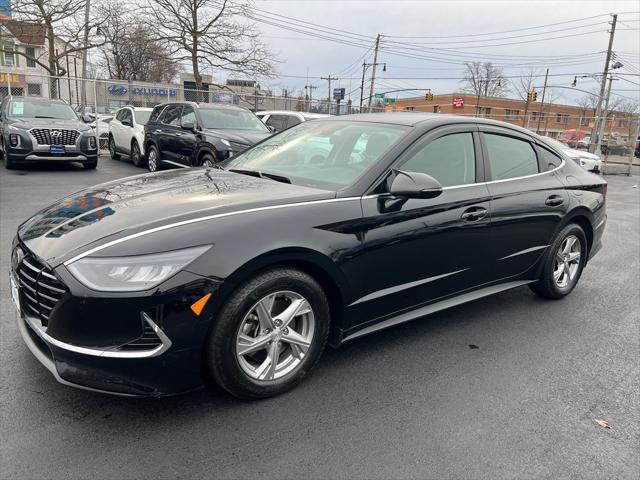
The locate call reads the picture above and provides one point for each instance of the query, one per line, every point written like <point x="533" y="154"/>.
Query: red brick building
<point x="552" y="120"/>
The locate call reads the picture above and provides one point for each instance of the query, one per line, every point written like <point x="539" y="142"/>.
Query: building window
<point x="8" y="57"/>
<point x="31" y="52"/>
<point x="436" y="109"/>
<point x="410" y="109"/>
<point x="34" y="89"/>
<point x="512" y="113"/>
<point x="584" y="121"/>
<point x="623" y="123"/>
<point x="485" y="112"/>
<point x="562" y="118"/>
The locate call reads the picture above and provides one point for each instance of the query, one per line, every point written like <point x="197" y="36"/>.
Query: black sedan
<point x="326" y="232"/>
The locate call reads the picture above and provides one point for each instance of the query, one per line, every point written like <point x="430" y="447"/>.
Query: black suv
<point x="189" y="134"/>
<point x="43" y="130"/>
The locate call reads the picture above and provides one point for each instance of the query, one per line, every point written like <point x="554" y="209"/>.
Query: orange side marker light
<point x="198" y="306"/>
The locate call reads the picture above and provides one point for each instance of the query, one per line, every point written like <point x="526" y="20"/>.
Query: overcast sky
<point x="302" y="54"/>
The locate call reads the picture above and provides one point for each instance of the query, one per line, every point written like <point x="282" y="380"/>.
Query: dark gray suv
<point x="44" y="130"/>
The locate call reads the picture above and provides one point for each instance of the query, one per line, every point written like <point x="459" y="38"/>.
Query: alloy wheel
<point x="112" y="147"/>
<point x="275" y="335"/>
<point x="135" y="154"/>
<point x="566" y="263"/>
<point x="207" y="163"/>
<point x="153" y="160"/>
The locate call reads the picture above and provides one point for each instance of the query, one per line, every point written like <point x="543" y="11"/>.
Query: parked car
<point x="243" y="273"/>
<point x="101" y="129"/>
<point x="189" y="134"/>
<point x="43" y="130"/>
<point x="589" y="161"/>
<point x="573" y="137"/>
<point x="280" y="120"/>
<point x="126" y="134"/>
<point x="637" y="148"/>
<point x="584" y="143"/>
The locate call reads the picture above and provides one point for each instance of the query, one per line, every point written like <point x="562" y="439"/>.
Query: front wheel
<point x="153" y="159"/>
<point x="563" y="264"/>
<point x="112" y="149"/>
<point x="207" y="161"/>
<point x="269" y="334"/>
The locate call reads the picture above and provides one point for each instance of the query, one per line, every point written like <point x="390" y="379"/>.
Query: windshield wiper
<point x="44" y="116"/>
<point x="259" y="174"/>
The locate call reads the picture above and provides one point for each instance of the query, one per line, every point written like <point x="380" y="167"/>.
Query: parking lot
<point x="504" y="387"/>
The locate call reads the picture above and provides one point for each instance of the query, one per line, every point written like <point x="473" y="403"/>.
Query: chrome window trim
<point x="202" y="219"/>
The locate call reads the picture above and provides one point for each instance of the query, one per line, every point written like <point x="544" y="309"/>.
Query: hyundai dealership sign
<point x="119" y="90"/>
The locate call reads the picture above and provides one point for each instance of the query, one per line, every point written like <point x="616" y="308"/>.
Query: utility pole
<point x="364" y="69"/>
<point x="544" y="90"/>
<point x="373" y="72"/>
<point x="603" y="122"/>
<point x="84" y="56"/>
<point x="329" y="79"/>
<point x="309" y="95"/>
<point x="592" y="144"/>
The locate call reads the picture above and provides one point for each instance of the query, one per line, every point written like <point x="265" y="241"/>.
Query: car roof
<point x="413" y="119"/>
<point x="291" y="112"/>
<point x="206" y="106"/>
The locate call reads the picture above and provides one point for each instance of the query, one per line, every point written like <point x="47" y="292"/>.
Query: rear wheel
<point x="136" y="156"/>
<point x="153" y="159"/>
<point x="564" y="263"/>
<point x="207" y="161"/>
<point x="269" y="334"/>
<point x="112" y="149"/>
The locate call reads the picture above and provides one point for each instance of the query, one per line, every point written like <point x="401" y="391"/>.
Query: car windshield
<point x="231" y="119"/>
<point x="142" y="117"/>
<point x="320" y="154"/>
<point x="25" y="108"/>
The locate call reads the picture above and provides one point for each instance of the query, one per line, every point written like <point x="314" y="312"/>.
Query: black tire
<point x="207" y="160"/>
<point x="90" y="165"/>
<point x="112" y="149"/>
<point x="136" y="157"/>
<point x="547" y="286"/>
<point x="221" y="359"/>
<point x="153" y="159"/>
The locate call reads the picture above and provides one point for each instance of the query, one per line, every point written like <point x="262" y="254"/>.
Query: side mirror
<point x="189" y="126"/>
<point x="415" y="185"/>
<point x="87" y="118"/>
<point x="127" y="123"/>
<point x="271" y="128"/>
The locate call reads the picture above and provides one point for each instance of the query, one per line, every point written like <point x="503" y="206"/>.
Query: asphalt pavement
<point x="415" y="401"/>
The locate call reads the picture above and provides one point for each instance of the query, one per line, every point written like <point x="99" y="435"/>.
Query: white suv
<point x="126" y="134"/>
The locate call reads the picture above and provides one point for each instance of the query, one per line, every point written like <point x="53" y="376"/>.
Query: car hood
<point x="28" y="123"/>
<point x="581" y="154"/>
<point x="244" y="137"/>
<point x="95" y="216"/>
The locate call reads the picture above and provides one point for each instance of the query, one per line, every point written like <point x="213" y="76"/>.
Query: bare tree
<point x="64" y="25"/>
<point x="211" y="33"/>
<point x="131" y="51"/>
<point x="485" y="79"/>
<point x="628" y="112"/>
<point x="526" y="83"/>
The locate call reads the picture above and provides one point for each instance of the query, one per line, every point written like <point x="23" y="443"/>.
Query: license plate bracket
<point x="57" y="149"/>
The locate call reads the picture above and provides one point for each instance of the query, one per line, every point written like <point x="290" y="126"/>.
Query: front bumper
<point x="82" y="343"/>
<point x="24" y="156"/>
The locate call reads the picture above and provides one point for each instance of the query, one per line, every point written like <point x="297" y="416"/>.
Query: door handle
<point x="157" y="130"/>
<point x="554" y="201"/>
<point x="474" y="213"/>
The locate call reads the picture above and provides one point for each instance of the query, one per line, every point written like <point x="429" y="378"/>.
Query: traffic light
<point x="532" y="96"/>
<point x="428" y="96"/>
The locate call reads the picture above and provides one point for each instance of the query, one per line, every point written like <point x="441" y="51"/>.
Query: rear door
<point x="528" y="200"/>
<point x="418" y="250"/>
<point x="278" y="122"/>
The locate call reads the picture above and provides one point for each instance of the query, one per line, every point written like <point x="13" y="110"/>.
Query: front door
<point x="528" y="200"/>
<point x="167" y="133"/>
<point x="415" y="251"/>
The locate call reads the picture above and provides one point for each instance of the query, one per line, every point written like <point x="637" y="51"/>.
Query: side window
<point x="450" y="160"/>
<point x="510" y="157"/>
<point x="120" y="115"/>
<point x="550" y="159"/>
<point x="171" y="115"/>
<point x="127" y="115"/>
<point x="155" y="114"/>
<point x="188" y="115"/>
<point x="293" y="120"/>
<point x="279" y="122"/>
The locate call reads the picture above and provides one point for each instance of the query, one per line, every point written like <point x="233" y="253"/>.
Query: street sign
<point x="378" y="95"/>
<point x="458" y="102"/>
<point x="338" y="93"/>
<point x="388" y="101"/>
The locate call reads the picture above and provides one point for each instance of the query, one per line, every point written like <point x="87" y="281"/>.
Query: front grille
<point x="147" y="341"/>
<point x="55" y="136"/>
<point x="40" y="288"/>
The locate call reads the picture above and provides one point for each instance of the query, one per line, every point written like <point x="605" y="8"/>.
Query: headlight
<point x="127" y="274"/>
<point x="225" y="142"/>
